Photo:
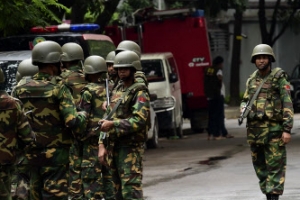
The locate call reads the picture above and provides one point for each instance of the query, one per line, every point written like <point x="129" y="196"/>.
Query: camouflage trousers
<point x="49" y="182"/>
<point x="125" y="172"/>
<point x="269" y="161"/>
<point x="6" y="172"/>
<point x="91" y="171"/>
<point x="75" y="182"/>
<point x="20" y="183"/>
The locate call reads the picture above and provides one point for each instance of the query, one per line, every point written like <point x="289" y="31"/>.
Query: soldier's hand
<point x="106" y="125"/>
<point x="102" y="154"/>
<point x="286" y="137"/>
<point x="104" y="105"/>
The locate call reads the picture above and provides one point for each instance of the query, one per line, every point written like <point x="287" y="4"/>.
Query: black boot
<point x="268" y="196"/>
<point x="274" y="197"/>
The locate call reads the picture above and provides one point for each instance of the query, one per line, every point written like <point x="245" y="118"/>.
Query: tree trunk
<point x="104" y="18"/>
<point x="235" y="60"/>
<point x="78" y="11"/>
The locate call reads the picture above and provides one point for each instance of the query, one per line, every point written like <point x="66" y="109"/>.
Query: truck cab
<point x="162" y="74"/>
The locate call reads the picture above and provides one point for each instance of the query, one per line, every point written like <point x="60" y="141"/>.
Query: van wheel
<point x="153" y="142"/>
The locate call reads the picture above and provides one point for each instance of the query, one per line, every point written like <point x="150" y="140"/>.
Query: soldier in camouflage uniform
<point x="126" y="132"/>
<point x="53" y="115"/>
<point x="113" y="78"/>
<point x="73" y="77"/>
<point x="21" y="178"/>
<point x="93" y="96"/>
<point x="269" y="121"/>
<point x="15" y="134"/>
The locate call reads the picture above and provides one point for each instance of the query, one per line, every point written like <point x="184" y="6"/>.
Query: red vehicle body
<point x="183" y="33"/>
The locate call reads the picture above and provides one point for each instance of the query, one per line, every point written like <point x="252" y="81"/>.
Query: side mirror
<point x="173" y="77"/>
<point x="153" y="97"/>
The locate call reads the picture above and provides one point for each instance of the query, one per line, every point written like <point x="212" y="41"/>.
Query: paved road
<point x="196" y="169"/>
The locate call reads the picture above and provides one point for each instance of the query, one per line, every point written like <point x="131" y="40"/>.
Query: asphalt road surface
<point x="194" y="168"/>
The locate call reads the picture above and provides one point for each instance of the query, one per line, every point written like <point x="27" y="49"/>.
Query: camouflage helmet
<point x="110" y="57"/>
<point x="72" y="51"/>
<point x="26" y="68"/>
<point x="127" y="59"/>
<point x="94" y="64"/>
<point x="2" y="77"/>
<point x="262" y="49"/>
<point x="129" y="45"/>
<point x="46" y="52"/>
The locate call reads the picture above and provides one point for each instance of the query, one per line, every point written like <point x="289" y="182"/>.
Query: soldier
<point x="269" y="121"/>
<point x="111" y="72"/>
<point x="93" y="96"/>
<point x="126" y="133"/>
<point x="52" y="115"/>
<point x="132" y="46"/>
<point x="73" y="77"/>
<point x="25" y="72"/>
<point x="15" y="133"/>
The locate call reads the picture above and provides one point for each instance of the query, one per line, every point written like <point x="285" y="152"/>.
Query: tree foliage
<point x="17" y="16"/>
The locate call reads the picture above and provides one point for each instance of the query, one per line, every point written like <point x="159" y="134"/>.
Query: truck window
<point x="153" y="70"/>
<point x="100" y="48"/>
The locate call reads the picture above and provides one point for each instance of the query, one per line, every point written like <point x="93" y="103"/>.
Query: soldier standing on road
<point x="269" y="121"/>
<point x="21" y="177"/>
<point x="93" y="96"/>
<point x="53" y="115"/>
<point x="126" y="133"/>
<point x="15" y="134"/>
<point x="73" y="77"/>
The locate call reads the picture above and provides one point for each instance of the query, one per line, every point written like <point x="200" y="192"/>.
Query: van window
<point x="172" y="64"/>
<point x="100" y="47"/>
<point x="153" y="70"/>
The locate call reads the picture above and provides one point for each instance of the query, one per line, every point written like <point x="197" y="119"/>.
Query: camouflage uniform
<point x="15" y="133"/>
<point x="20" y="182"/>
<point x="271" y="114"/>
<point x="93" y="96"/>
<point x="125" y="142"/>
<point x="53" y="115"/>
<point x="74" y="79"/>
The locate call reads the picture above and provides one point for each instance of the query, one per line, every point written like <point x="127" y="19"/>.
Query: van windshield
<point x="153" y="70"/>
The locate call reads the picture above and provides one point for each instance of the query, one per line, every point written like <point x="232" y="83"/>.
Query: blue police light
<point x="83" y="27"/>
<point x="65" y="27"/>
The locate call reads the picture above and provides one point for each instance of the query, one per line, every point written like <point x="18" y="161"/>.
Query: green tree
<point x="14" y="19"/>
<point x="284" y="12"/>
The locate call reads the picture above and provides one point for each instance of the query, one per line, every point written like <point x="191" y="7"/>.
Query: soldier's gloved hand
<point x="84" y="113"/>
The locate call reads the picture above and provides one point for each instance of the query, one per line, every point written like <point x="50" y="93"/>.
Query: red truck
<point x="183" y="32"/>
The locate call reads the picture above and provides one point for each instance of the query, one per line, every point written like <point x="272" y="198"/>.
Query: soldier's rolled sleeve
<point x="287" y="105"/>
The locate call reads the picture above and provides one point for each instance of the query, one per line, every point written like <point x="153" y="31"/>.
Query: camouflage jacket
<point x="92" y="97"/>
<point x="130" y="118"/>
<point x="74" y="79"/>
<point x="15" y="131"/>
<point x="273" y="106"/>
<point x="53" y="110"/>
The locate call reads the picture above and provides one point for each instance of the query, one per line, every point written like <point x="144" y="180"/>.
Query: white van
<point x="162" y="74"/>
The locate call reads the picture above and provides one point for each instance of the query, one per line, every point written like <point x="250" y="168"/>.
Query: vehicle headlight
<point x="166" y="102"/>
<point x="292" y="87"/>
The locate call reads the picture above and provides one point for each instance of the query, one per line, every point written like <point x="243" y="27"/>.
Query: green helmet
<point x="127" y="59"/>
<point x="110" y="57"/>
<point x="262" y="49"/>
<point x="94" y="64"/>
<point x="26" y="68"/>
<point x="72" y="51"/>
<point x="129" y="45"/>
<point x="2" y="77"/>
<point x="46" y="52"/>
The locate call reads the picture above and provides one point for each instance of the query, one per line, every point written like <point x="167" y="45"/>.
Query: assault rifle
<point x="245" y="113"/>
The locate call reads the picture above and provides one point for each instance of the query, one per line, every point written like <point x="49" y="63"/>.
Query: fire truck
<point x="183" y="32"/>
